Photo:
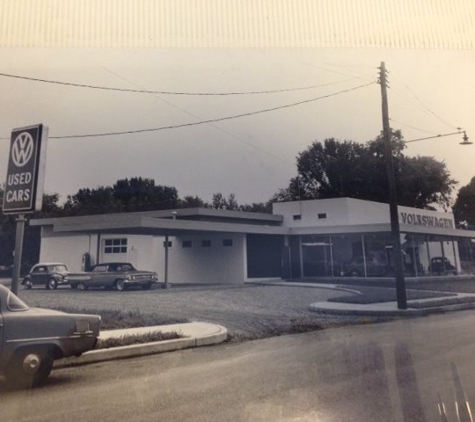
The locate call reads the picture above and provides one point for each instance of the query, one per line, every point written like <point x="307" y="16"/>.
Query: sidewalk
<point x="195" y="334"/>
<point x="417" y="307"/>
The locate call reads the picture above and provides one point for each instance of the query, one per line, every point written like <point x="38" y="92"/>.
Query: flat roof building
<point x="300" y="239"/>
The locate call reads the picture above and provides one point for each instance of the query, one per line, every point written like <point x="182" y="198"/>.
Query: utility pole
<point x="393" y="211"/>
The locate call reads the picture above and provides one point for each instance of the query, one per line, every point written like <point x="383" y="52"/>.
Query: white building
<point x="315" y="238"/>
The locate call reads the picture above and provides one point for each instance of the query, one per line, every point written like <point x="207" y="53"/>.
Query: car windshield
<point x="14" y="303"/>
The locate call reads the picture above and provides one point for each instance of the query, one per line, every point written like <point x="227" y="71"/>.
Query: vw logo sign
<point x="22" y="149"/>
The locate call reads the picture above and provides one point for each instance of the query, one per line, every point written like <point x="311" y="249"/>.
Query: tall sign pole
<point x="393" y="211"/>
<point x="24" y="184"/>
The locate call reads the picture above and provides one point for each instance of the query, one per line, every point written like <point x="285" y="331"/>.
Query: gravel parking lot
<point x="247" y="311"/>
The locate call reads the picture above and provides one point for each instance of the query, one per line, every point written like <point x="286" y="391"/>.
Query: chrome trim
<point x="72" y="337"/>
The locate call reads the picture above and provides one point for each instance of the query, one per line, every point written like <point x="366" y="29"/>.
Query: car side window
<point x="40" y="270"/>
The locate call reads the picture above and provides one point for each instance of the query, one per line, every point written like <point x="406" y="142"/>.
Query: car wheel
<point x="52" y="284"/>
<point x="81" y="286"/>
<point x="147" y="286"/>
<point x="29" y="368"/>
<point x="354" y="273"/>
<point x="120" y="285"/>
<point x="73" y="286"/>
<point x="27" y="284"/>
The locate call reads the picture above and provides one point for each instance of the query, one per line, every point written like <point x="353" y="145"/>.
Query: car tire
<point x="120" y="285"/>
<point x="81" y="286"/>
<point x="52" y="284"/>
<point x="73" y="286"/>
<point x="20" y="371"/>
<point x="27" y="284"/>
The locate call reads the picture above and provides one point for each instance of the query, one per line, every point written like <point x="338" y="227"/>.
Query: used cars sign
<point x="26" y="164"/>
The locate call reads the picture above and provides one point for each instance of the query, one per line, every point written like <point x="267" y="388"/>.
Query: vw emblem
<point x="22" y="149"/>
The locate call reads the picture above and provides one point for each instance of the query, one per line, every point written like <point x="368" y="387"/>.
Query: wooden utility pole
<point x="393" y="211"/>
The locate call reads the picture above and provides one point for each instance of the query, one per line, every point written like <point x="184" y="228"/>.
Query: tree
<point x="335" y="169"/>
<point x="464" y="207"/>
<point x="91" y="201"/>
<point x="126" y="195"/>
<point x="140" y="194"/>
<point x="191" y="202"/>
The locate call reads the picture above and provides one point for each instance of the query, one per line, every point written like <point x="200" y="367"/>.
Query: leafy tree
<point x="91" y="201"/>
<point x="126" y="195"/>
<point x="464" y="207"/>
<point x="138" y="194"/>
<point x="191" y="202"/>
<point x="335" y="169"/>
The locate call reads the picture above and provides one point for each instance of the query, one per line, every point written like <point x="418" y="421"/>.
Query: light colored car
<point x="32" y="338"/>
<point x="49" y="274"/>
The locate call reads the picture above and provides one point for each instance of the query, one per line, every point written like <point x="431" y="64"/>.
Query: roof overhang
<point x="129" y="223"/>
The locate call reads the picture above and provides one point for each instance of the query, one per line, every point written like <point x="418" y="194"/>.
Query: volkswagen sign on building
<point x="26" y="165"/>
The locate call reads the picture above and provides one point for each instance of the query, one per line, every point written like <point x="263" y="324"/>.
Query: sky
<point x="431" y="93"/>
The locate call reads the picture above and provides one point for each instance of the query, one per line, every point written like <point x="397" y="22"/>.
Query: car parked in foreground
<point x="32" y="338"/>
<point x="114" y="275"/>
<point x="50" y="275"/>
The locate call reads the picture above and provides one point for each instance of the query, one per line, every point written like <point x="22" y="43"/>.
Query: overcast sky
<point x="431" y="92"/>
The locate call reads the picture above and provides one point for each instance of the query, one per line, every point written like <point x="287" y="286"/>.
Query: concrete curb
<point x="387" y="309"/>
<point x="197" y="334"/>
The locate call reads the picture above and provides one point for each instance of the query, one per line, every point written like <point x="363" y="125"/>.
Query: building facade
<point x="301" y="239"/>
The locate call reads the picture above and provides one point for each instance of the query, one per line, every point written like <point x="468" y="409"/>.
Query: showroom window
<point x="115" y="245"/>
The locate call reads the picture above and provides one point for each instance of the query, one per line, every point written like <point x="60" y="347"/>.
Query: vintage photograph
<point x="227" y="210"/>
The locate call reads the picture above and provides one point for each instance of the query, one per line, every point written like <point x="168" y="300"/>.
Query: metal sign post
<point x="24" y="184"/>
<point x="20" y="231"/>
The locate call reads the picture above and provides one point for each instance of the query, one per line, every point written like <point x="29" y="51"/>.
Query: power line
<point x="427" y="108"/>
<point x="142" y="91"/>
<point x="412" y="127"/>
<point x="232" y="135"/>
<point x="253" y="113"/>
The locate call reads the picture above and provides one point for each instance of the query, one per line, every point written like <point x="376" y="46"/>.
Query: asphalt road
<point x="393" y="371"/>
<point x="247" y="311"/>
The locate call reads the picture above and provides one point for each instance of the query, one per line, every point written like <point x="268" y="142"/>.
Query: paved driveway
<point x="247" y="311"/>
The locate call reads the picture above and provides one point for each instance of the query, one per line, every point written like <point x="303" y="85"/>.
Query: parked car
<point x="49" y="275"/>
<point x="374" y="267"/>
<point x="32" y="338"/>
<point x="441" y="265"/>
<point x="114" y="275"/>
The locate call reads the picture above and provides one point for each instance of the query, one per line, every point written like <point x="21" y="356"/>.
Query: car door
<point x="99" y="276"/>
<point x="39" y="275"/>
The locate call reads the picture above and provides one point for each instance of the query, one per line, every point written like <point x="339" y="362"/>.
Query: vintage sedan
<point x="49" y="275"/>
<point x="114" y="275"/>
<point x="32" y="338"/>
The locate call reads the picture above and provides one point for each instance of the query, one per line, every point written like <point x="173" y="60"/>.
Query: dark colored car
<point x="114" y="275"/>
<point x="32" y="338"/>
<point x="440" y="265"/>
<point x="49" y="275"/>
<point x="355" y="268"/>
